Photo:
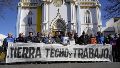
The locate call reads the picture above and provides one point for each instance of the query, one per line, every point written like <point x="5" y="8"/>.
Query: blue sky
<point x="8" y="24"/>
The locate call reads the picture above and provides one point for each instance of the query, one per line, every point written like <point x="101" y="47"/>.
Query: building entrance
<point x="58" y="26"/>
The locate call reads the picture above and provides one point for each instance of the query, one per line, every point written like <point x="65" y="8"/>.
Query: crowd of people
<point x="65" y="38"/>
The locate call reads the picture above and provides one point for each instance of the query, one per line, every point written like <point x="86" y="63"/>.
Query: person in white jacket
<point x="65" y="40"/>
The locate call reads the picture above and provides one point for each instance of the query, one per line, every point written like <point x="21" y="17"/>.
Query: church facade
<point x="58" y="16"/>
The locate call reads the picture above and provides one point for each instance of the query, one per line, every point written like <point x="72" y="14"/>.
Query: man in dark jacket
<point x="38" y="38"/>
<point x="21" y="38"/>
<point x="76" y="38"/>
<point x="118" y="48"/>
<point x="114" y="47"/>
<point x="30" y="38"/>
<point x="57" y="37"/>
<point x="83" y="39"/>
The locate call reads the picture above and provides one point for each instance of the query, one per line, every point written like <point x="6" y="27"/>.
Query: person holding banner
<point x="30" y="38"/>
<point x="7" y="40"/>
<point x="114" y="48"/>
<point x="65" y="40"/>
<point x="49" y="39"/>
<point x="101" y="39"/>
<point x="38" y="38"/>
<point x="76" y="38"/>
<point x="21" y="38"/>
<point x="57" y="37"/>
<point x="83" y="39"/>
<point x="93" y="40"/>
<point x="70" y="35"/>
<point x="108" y="39"/>
<point x="45" y="38"/>
<point x="118" y="48"/>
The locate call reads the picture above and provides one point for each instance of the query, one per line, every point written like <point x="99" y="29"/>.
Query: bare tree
<point x="112" y="9"/>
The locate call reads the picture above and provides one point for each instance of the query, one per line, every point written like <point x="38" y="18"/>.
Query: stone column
<point x="73" y="13"/>
<point x="46" y="16"/>
<point x="47" y="12"/>
<point x="100" y="21"/>
<point x="71" y="19"/>
<point x="99" y="18"/>
<point x="72" y="16"/>
<point x="78" y="21"/>
<point x="18" y="22"/>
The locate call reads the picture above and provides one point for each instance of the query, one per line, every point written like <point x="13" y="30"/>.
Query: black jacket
<point x="29" y="39"/>
<point x="20" y="39"/>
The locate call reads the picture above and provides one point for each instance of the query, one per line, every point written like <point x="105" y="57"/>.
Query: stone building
<point x="58" y="16"/>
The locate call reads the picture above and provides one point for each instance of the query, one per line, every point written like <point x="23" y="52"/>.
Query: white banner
<point x="24" y="52"/>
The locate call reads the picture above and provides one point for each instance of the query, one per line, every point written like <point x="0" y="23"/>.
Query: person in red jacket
<point x="93" y="40"/>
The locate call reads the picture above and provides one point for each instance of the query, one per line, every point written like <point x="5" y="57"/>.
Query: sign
<point x="24" y="52"/>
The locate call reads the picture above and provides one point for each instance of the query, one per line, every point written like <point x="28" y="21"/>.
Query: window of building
<point x="87" y="17"/>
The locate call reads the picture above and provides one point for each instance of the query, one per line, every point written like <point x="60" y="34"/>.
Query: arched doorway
<point x="58" y="26"/>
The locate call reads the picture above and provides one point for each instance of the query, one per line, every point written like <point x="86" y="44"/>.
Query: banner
<point x="24" y="52"/>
